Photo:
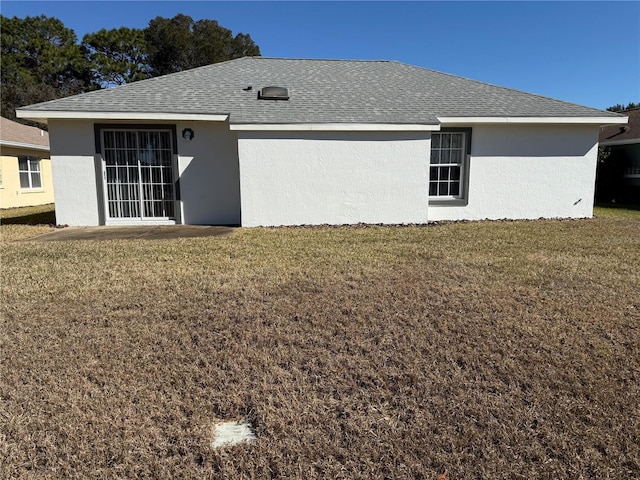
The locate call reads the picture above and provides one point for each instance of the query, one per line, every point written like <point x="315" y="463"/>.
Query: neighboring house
<point x="619" y="169"/>
<point x="25" y="168"/>
<point x="267" y="141"/>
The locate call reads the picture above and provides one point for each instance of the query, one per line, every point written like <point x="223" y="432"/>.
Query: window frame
<point x="30" y="172"/>
<point x="463" y="193"/>
<point x="101" y="174"/>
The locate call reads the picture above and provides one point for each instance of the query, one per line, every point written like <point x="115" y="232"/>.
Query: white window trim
<point x="632" y="172"/>
<point x="30" y="172"/>
<point x="463" y="195"/>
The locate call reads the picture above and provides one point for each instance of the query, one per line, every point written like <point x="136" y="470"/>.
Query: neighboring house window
<point x="30" y="175"/>
<point x="632" y="172"/>
<point x="448" y="162"/>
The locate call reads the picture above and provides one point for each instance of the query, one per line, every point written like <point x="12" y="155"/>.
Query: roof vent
<point x="274" y="93"/>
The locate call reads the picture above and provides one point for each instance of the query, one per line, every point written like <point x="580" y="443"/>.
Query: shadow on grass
<point x="40" y="215"/>
<point x="618" y="206"/>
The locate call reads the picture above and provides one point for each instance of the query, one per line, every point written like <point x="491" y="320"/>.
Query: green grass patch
<point x="613" y="210"/>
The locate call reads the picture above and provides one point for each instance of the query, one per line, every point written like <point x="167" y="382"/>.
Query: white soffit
<point x="333" y="127"/>
<point x="539" y="120"/>
<point x="32" y="146"/>
<point x="153" y="116"/>
<point x="630" y="141"/>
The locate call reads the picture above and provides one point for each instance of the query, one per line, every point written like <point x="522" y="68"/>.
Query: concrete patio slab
<point x="155" y="232"/>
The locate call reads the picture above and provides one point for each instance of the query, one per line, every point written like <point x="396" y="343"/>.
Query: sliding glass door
<point x="139" y="178"/>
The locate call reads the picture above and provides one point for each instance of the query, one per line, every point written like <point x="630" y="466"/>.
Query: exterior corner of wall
<point x="76" y="190"/>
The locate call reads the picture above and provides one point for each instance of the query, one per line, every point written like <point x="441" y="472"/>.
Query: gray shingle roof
<point x="11" y="131"/>
<point x="321" y="91"/>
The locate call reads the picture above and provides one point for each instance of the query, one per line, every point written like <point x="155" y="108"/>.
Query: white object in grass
<point x="232" y="433"/>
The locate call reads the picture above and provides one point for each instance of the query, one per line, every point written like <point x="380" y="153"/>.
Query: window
<point x="632" y="172"/>
<point x="448" y="154"/>
<point x="30" y="175"/>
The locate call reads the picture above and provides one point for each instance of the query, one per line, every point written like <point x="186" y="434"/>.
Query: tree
<point x="168" y="44"/>
<point x="179" y="43"/>
<point x="40" y="60"/>
<point x="117" y="56"/>
<point x="620" y="108"/>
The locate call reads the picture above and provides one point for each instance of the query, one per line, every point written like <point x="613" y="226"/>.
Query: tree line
<point x="41" y="59"/>
<point x="621" y="108"/>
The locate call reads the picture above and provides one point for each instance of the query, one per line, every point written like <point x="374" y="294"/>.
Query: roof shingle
<point x="321" y="91"/>
<point x="11" y="131"/>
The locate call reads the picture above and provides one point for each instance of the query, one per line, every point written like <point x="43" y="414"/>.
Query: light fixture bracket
<point x="188" y="134"/>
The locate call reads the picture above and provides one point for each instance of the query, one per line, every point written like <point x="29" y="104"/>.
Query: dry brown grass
<point x="39" y="219"/>
<point x="489" y="350"/>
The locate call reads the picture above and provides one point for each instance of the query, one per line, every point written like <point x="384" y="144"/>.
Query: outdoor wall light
<point x="188" y="134"/>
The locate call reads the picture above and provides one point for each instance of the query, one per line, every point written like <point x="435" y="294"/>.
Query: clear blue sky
<point x="583" y="52"/>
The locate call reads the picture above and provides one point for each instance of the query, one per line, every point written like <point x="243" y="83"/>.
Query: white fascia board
<point x="538" y="120"/>
<point x="30" y="146"/>
<point x="154" y="116"/>
<point x="630" y="141"/>
<point x="332" y="127"/>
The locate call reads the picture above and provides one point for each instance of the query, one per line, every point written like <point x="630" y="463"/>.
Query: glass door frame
<point x="139" y="219"/>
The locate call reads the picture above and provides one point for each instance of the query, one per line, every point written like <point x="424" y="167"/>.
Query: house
<point x="25" y="168"/>
<point x="268" y="141"/>
<point x="619" y="169"/>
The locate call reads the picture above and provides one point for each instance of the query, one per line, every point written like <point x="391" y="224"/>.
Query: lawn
<point x="497" y="350"/>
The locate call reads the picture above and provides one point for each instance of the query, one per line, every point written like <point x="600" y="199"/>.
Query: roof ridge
<point x="260" y="57"/>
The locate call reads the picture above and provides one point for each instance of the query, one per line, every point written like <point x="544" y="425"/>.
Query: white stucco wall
<point x="298" y="178"/>
<point x="208" y="168"/>
<point x="73" y="164"/>
<point x="209" y="176"/>
<point x="528" y="172"/>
